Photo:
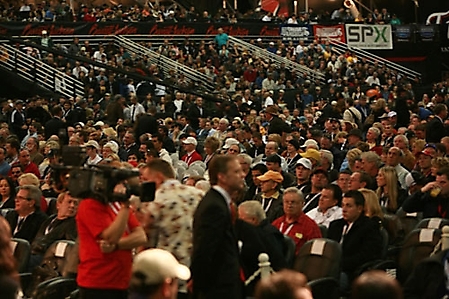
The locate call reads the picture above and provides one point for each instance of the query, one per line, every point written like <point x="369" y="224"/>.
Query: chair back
<point x="418" y="245"/>
<point x="21" y="249"/>
<point x="435" y="223"/>
<point x="319" y="258"/>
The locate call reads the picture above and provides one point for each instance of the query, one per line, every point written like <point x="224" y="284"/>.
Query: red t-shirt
<point x="300" y="231"/>
<point x="97" y="269"/>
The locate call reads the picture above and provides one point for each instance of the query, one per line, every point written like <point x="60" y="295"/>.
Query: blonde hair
<point x="440" y="162"/>
<point x="391" y="187"/>
<point x="28" y="179"/>
<point x="372" y="206"/>
<point x="352" y="156"/>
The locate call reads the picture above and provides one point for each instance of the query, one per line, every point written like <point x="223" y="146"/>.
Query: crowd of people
<point x="279" y="155"/>
<point x="63" y="11"/>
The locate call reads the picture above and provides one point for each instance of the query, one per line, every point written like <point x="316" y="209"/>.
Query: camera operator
<point x="107" y="234"/>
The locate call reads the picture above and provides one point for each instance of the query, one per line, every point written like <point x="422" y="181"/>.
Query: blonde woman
<point x="437" y="164"/>
<point x="389" y="191"/>
<point x="373" y="210"/>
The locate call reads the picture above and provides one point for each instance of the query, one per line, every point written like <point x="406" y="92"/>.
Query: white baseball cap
<point x="190" y="140"/>
<point x="153" y="266"/>
<point x="229" y="142"/>
<point x="304" y="162"/>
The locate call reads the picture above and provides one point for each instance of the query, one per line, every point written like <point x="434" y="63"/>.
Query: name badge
<point x="298" y="235"/>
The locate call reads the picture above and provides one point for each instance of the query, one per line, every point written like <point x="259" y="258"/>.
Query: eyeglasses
<point x="22" y="198"/>
<point x="16" y="172"/>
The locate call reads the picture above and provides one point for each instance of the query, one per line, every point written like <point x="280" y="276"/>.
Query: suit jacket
<point x="62" y="230"/>
<point x="215" y="258"/>
<point x="30" y="226"/>
<point x="53" y="126"/>
<point x="194" y="114"/>
<point x="146" y="124"/>
<point x="435" y="130"/>
<point x="363" y="242"/>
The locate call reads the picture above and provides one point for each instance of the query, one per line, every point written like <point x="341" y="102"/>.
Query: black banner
<point x="143" y="28"/>
<point x="403" y="33"/>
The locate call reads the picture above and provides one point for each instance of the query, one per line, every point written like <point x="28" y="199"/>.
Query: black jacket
<point x="428" y="205"/>
<point x="215" y="259"/>
<point x="362" y="243"/>
<point x="29" y="227"/>
<point x="60" y="230"/>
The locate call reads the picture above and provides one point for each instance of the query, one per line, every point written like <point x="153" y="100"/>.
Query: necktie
<point x="132" y="113"/>
<point x="19" y="224"/>
<point x="233" y="210"/>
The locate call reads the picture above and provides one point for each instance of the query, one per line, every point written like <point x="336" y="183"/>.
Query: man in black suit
<point x="215" y="259"/>
<point x="26" y="218"/>
<point x="360" y="236"/>
<point x="53" y="126"/>
<point x="146" y="123"/>
<point x="277" y="125"/>
<point x="196" y="111"/>
<point x="435" y="129"/>
<point x="18" y="121"/>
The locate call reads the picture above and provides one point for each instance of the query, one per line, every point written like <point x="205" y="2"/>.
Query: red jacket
<point x="195" y="156"/>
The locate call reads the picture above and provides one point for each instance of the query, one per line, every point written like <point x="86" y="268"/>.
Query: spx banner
<point x="372" y="37"/>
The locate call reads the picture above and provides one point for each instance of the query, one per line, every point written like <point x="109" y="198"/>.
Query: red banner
<point x="332" y="32"/>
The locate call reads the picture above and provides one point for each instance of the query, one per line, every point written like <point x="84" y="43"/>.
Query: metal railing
<point x="35" y="70"/>
<point x="167" y="65"/>
<point x="276" y="59"/>
<point x="341" y="48"/>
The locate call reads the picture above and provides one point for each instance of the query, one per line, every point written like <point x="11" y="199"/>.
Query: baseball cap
<point x="302" y="119"/>
<point x="310" y="142"/>
<point x="153" y="266"/>
<point x="414" y="178"/>
<point x="355" y="132"/>
<point x="385" y="115"/>
<point x="274" y="159"/>
<point x="312" y="154"/>
<point x="229" y="142"/>
<point x="304" y="162"/>
<point x="428" y="151"/>
<point x="93" y="143"/>
<point x="99" y="124"/>
<point x="271" y="175"/>
<point x="392" y="113"/>
<point x="190" y="140"/>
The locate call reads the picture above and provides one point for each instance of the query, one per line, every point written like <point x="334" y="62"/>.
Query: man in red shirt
<point x="295" y="224"/>
<point x="192" y="155"/>
<point x="107" y="234"/>
<point x="26" y="164"/>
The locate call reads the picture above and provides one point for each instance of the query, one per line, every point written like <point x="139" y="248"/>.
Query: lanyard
<point x="268" y="204"/>
<point x="289" y="228"/>
<point x="310" y="200"/>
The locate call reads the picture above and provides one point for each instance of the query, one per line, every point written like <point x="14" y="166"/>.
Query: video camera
<point x="98" y="181"/>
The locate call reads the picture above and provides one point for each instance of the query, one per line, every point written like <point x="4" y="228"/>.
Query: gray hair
<point x="405" y="139"/>
<point x="375" y="131"/>
<point x="372" y="157"/>
<point x="247" y="158"/>
<point x="296" y="191"/>
<point x="254" y="209"/>
<point x="34" y="193"/>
